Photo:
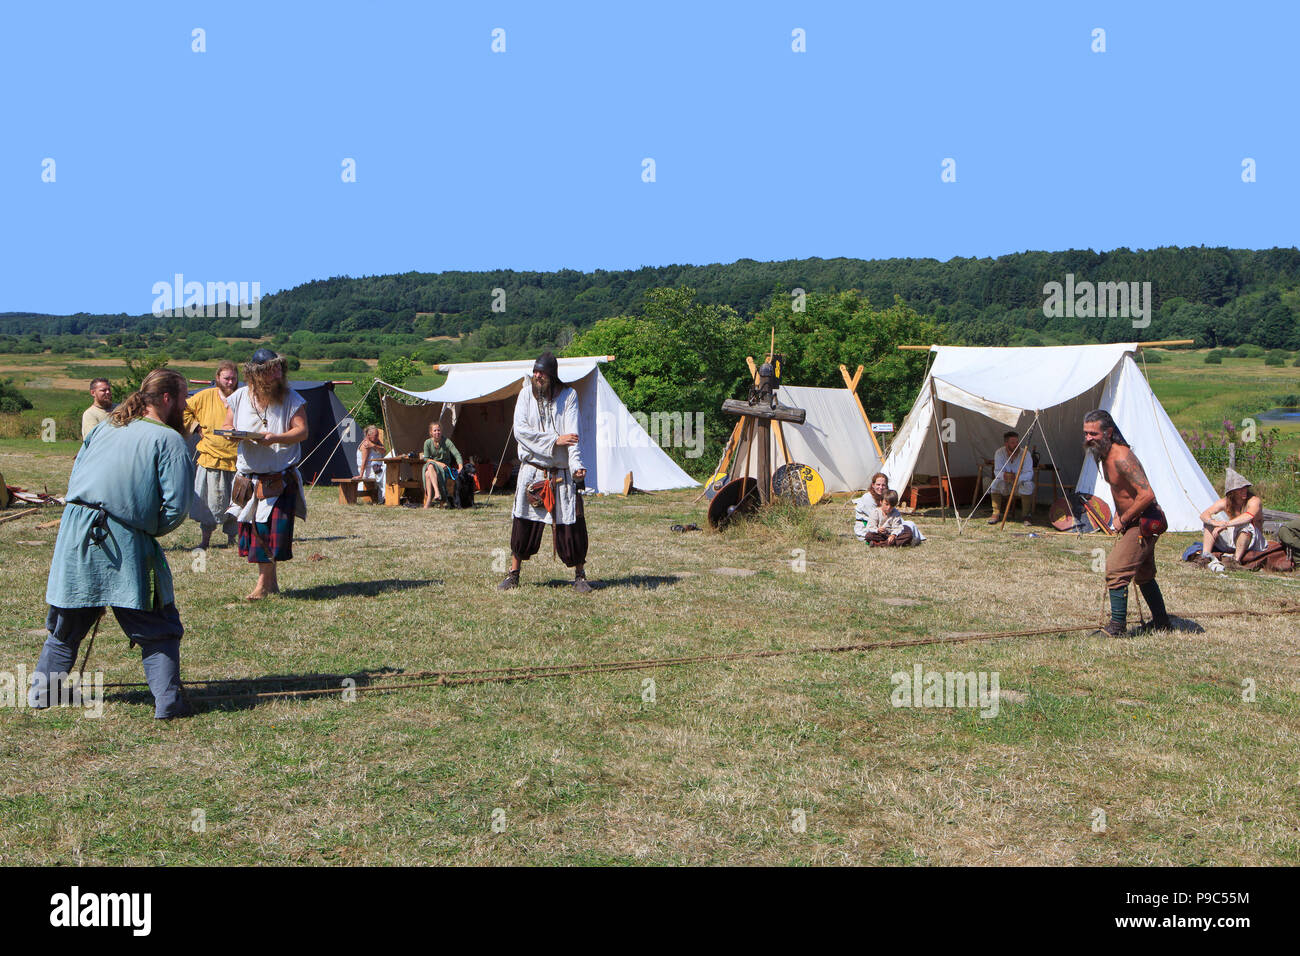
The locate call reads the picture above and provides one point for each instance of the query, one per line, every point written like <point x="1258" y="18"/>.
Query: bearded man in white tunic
<point x="1009" y="459"/>
<point x="550" y="466"/>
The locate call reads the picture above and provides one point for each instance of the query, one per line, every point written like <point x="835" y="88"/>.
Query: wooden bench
<point x="348" y="492"/>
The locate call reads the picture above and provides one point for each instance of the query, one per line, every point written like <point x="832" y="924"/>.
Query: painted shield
<point x="798" y="483"/>
<point x="735" y="499"/>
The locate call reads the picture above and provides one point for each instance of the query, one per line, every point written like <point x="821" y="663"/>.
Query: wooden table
<point x="399" y="484"/>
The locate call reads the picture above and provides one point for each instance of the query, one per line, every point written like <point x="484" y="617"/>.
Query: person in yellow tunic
<point x="213" y="478"/>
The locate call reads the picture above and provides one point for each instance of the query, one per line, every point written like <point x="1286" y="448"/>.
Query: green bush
<point x="12" y="400"/>
<point x="1213" y="359"/>
<point x="1152" y="357"/>
<point x="1274" y="360"/>
<point x="347" y="365"/>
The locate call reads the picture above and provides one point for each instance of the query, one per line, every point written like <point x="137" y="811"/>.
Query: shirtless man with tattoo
<point x="1138" y="521"/>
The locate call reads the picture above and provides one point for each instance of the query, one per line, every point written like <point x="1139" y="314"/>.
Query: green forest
<point x="1218" y="297"/>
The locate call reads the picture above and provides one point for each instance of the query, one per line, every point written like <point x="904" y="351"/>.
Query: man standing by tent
<point x="267" y="494"/>
<point x="130" y="485"/>
<point x="546" y="430"/>
<point x="1138" y="520"/>
<point x="206" y="412"/>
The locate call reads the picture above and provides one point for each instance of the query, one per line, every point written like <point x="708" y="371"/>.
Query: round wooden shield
<point x="1098" y="512"/>
<point x="798" y="483"/>
<point x="734" y="499"/>
<point x="1065" y="516"/>
<point x="714" y="484"/>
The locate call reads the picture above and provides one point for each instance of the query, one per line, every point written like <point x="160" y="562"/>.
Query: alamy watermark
<point x="1102" y="300"/>
<point x="665" y="429"/>
<point x="216" y="300"/>
<point x="950" y="689"/>
<point x="70" y="690"/>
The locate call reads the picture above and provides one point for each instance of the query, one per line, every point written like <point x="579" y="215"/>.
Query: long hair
<point x="1103" y="417"/>
<point x="870" y="488"/>
<point x="266" y="388"/>
<point x="159" y="382"/>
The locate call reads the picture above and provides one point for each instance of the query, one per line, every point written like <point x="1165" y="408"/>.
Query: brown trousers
<point x="1132" y="559"/>
<point x="879" y="538"/>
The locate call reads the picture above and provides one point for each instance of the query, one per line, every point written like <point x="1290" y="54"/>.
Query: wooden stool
<point x="348" y="492"/>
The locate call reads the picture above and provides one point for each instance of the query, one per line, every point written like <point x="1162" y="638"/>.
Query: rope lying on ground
<point x="493" y="675"/>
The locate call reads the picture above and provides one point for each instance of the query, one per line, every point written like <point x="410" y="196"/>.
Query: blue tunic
<point x="143" y="476"/>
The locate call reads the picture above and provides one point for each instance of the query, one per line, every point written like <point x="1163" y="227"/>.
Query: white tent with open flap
<point x="970" y="396"/>
<point x="476" y="406"/>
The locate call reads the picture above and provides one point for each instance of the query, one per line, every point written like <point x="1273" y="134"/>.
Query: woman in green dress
<point x="439" y="471"/>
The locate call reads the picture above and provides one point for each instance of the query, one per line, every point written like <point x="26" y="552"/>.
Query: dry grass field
<point x="798" y="759"/>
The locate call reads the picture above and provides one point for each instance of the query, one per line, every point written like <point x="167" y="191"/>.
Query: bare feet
<point x="257" y="594"/>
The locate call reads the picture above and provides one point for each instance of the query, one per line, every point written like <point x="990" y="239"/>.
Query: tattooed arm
<point x="1130" y="472"/>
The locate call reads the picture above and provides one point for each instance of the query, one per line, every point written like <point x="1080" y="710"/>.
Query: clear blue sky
<point x="225" y="165"/>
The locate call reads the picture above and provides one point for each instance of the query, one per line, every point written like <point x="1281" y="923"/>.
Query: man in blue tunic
<point x="131" y="483"/>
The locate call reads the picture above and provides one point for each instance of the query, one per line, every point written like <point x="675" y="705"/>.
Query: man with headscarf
<point x="1241" y="528"/>
<point x="1138" y="520"/>
<point x="216" y="455"/>
<point x="550" y="465"/>
<point x="131" y="484"/>
<point x="267" y="496"/>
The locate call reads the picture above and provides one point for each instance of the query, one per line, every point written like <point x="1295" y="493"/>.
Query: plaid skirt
<point x="276" y="533"/>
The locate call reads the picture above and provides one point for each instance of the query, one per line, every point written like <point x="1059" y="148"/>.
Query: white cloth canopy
<point x="611" y="441"/>
<point x="982" y="392"/>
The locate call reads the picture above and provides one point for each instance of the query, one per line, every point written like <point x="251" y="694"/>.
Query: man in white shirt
<point x="267" y="496"/>
<point x="546" y="430"/>
<point x="1009" y="459"/>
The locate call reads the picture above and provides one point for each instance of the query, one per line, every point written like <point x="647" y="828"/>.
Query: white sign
<point x="882" y="426"/>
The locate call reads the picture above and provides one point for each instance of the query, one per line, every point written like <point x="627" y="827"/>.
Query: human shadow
<point x="649" y="581"/>
<point x="324" y="592"/>
<point x="245" y="693"/>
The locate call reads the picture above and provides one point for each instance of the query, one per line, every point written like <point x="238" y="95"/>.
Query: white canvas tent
<point x="986" y="391"/>
<point x="835" y="440"/>
<point x="476" y="407"/>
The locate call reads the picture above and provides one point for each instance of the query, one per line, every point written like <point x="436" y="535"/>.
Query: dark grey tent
<point x="327" y="422"/>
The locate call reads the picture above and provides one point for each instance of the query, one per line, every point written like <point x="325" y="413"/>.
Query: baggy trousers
<point x="157" y="632"/>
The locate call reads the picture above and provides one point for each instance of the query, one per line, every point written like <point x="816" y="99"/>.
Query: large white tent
<point x="476" y="407"/>
<point x="835" y="440"/>
<point x="972" y="395"/>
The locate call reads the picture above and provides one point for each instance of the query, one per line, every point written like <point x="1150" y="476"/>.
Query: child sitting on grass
<point x="885" y="527"/>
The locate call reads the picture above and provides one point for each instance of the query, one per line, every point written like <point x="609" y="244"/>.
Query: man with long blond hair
<point x="131" y="483"/>
<point x="214" y="475"/>
<point x="267" y="494"/>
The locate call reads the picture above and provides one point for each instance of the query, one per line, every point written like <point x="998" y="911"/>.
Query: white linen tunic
<point x="537" y="426"/>
<point x="258" y="459"/>
<point x="1004" y="462"/>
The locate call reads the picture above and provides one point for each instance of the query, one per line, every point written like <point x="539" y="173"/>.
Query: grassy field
<point x="1156" y="732"/>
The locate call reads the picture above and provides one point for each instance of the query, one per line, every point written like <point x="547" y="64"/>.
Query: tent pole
<point x="938" y="447"/>
<point x="1015" y="485"/>
<point x="852" y="385"/>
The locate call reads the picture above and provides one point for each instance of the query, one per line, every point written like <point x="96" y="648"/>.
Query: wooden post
<point x="764" y="442"/>
<point x="938" y="447"/>
<point x="1015" y="486"/>
<point x="852" y="385"/>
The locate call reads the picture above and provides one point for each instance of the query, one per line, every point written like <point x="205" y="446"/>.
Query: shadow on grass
<point x="324" y="592"/>
<point x="649" y="581"/>
<point x="239" y="694"/>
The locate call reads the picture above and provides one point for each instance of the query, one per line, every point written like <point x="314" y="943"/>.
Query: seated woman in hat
<point x="1242" y="529"/>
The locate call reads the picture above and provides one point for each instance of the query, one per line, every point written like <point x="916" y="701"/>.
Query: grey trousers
<point x="157" y="632"/>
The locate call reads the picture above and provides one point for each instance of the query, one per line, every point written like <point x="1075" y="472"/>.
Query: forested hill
<point x="1218" y="296"/>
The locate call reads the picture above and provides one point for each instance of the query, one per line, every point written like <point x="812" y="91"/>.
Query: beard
<point x="270" y="393"/>
<point x="543" y="392"/>
<point x="1100" y="448"/>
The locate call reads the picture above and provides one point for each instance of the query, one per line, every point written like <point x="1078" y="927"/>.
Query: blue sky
<point x="226" y="165"/>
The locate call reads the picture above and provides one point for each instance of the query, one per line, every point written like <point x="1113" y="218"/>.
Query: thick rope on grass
<point x="523" y="672"/>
